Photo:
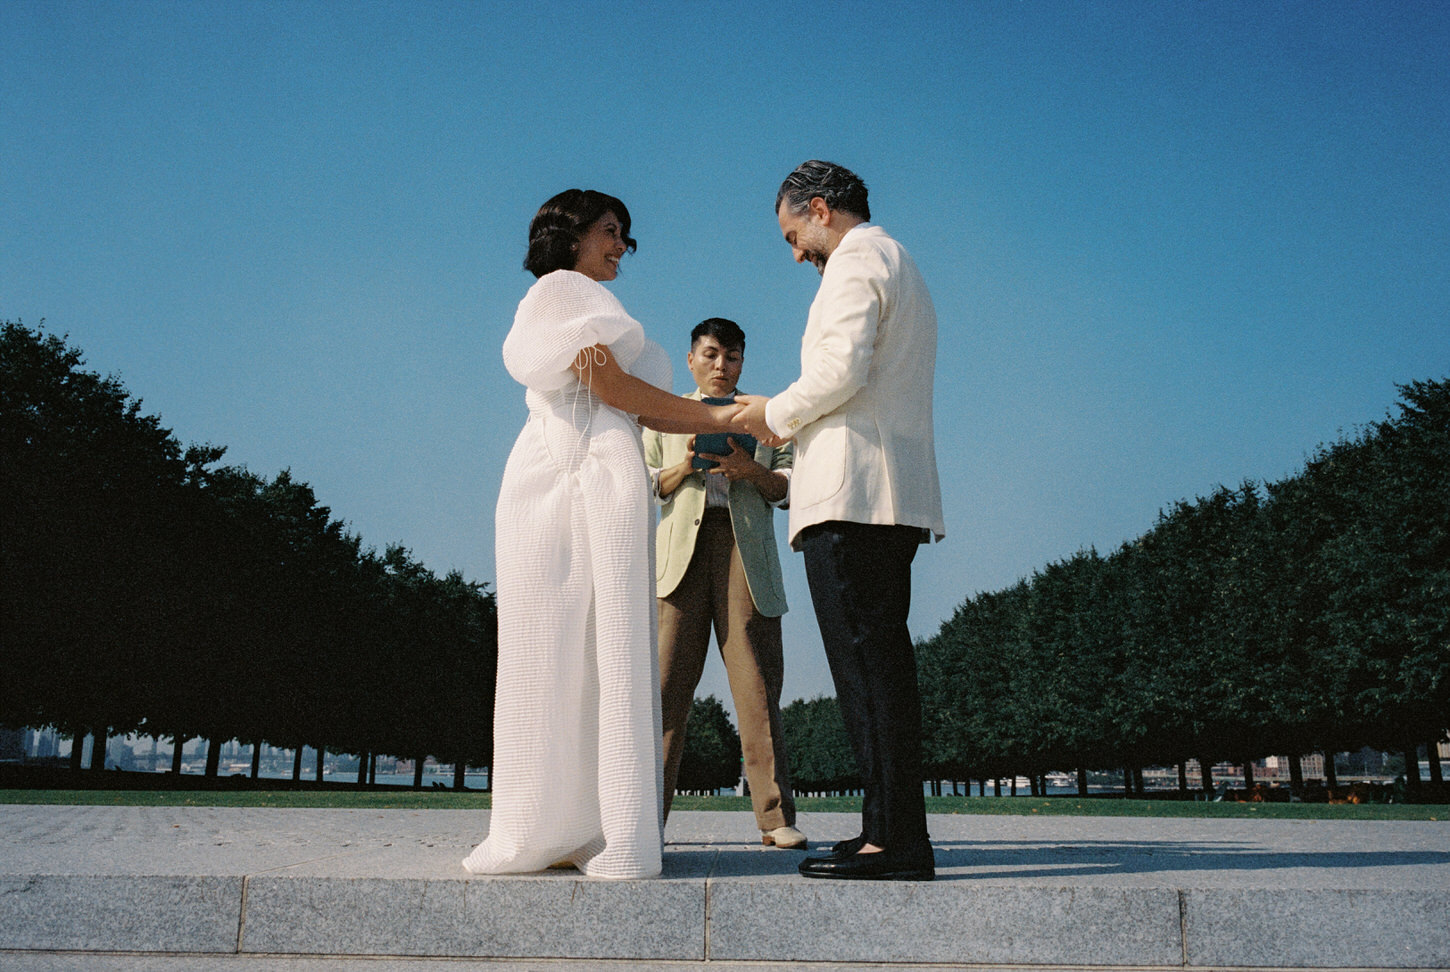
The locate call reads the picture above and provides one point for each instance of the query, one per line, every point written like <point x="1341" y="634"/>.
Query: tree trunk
<point x="177" y="745"/>
<point x="1412" y="772"/>
<point x="460" y="773"/>
<point x="1248" y="774"/>
<point x="1127" y="782"/>
<point x="256" y="760"/>
<point x="1205" y="772"/>
<point x="362" y="769"/>
<point x="1082" y="783"/>
<point x="997" y="786"/>
<point x="1183" y="778"/>
<point x="1296" y="774"/>
<point x="297" y="765"/>
<point x="418" y="772"/>
<point x="77" y="750"/>
<point x="98" y="749"/>
<point x="1331" y="776"/>
<point x="372" y="769"/>
<point x="1138" y="780"/>
<point x="1432" y="750"/>
<point x="321" y="754"/>
<point x="213" y="757"/>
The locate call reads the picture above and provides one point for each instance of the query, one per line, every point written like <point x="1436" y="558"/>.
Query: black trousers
<point x="860" y="580"/>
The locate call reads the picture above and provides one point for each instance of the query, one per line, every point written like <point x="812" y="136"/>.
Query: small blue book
<point x="717" y="443"/>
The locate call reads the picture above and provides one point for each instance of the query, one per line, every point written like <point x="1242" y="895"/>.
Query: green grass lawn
<point x="448" y="800"/>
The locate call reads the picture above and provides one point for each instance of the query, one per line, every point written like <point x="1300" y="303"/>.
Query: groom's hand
<point x="751" y="419"/>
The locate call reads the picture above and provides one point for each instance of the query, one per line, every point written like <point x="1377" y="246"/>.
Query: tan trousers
<point x="714" y="592"/>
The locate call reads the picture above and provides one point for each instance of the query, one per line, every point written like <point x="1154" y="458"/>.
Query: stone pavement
<point x="215" y="889"/>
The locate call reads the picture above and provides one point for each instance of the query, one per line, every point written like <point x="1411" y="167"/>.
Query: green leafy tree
<point x="711" y="756"/>
<point x="821" y="756"/>
<point x="1389" y="569"/>
<point x="90" y="485"/>
<point x="135" y="573"/>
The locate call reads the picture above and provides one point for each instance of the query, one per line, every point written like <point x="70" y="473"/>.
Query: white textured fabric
<point x="576" y="772"/>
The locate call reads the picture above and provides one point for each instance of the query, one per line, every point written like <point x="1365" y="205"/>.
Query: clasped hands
<point x="751" y="420"/>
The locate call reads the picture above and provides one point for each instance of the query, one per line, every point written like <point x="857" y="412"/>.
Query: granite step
<point x="253" y="890"/>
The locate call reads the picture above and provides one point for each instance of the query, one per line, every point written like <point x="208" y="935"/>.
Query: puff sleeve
<point x="563" y="313"/>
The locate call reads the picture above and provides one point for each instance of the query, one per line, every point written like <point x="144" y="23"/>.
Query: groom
<point x="864" y="496"/>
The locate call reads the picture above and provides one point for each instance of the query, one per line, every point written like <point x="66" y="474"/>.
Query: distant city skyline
<point x="1171" y="246"/>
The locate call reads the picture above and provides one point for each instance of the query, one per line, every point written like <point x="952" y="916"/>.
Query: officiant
<point x="717" y="568"/>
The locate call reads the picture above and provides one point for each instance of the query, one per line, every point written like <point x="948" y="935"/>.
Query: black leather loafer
<point x="881" y="866"/>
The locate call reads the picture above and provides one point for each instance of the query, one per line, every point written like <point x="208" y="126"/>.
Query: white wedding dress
<point x="576" y="771"/>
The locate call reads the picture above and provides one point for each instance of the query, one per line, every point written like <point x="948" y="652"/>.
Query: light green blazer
<point x="751" y="517"/>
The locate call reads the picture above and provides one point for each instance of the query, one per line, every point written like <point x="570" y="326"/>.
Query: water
<point x="473" y="781"/>
<point x="478" y="780"/>
<point x="1023" y="789"/>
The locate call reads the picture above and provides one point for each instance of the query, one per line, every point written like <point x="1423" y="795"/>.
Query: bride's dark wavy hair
<point x="562" y="221"/>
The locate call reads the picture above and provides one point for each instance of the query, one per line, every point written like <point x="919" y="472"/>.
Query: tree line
<point x="147" y="588"/>
<point x="1307" y="615"/>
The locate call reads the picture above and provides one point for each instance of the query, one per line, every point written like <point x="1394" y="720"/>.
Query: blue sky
<point x="1171" y="245"/>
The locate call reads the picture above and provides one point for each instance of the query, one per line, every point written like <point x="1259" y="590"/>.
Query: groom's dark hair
<point x="841" y="188"/>
<point x="562" y="221"/>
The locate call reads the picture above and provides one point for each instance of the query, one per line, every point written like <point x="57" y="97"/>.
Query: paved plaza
<point x="215" y="889"/>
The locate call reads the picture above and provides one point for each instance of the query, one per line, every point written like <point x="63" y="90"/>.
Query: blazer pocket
<point x="820" y="467"/>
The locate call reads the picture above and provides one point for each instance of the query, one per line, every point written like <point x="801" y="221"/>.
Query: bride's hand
<point x="724" y="416"/>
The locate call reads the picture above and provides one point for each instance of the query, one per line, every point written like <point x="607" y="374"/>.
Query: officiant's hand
<point x="672" y="476"/>
<point x="739" y="464"/>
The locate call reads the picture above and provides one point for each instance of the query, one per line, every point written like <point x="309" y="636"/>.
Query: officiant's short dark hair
<point x="727" y="332"/>
<point x="562" y="221"/>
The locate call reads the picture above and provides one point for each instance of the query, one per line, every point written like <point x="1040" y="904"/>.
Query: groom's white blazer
<point x="860" y="412"/>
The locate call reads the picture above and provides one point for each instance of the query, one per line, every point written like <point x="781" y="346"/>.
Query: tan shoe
<point x="786" y="838"/>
